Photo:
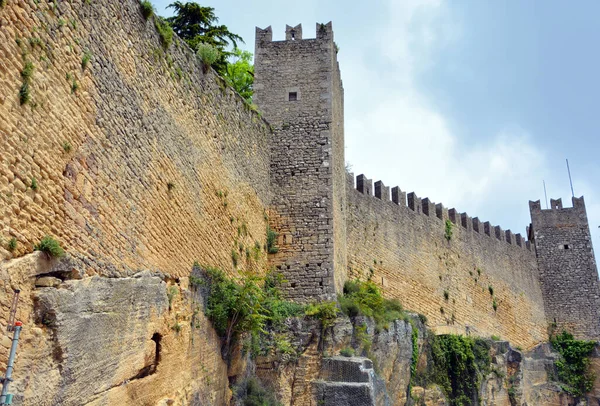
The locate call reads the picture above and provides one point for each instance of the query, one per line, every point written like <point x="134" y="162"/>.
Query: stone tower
<point x="298" y="89"/>
<point x="568" y="274"/>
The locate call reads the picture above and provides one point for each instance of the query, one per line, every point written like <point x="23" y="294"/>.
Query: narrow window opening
<point x="293" y="96"/>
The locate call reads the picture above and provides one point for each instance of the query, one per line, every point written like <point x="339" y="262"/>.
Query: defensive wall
<point x="400" y="242"/>
<point x="141" y="161"/>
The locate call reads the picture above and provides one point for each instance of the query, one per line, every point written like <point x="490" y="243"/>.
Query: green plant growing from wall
<point x="491" y="290"/>
<point x="234" y="257"/>
<point x="573" y="366"/>
<point x="66" y="146"/>
<point x="24" y="91"/>
<point x="12" y="244"/>
<point x="34" y="184"/>
<point x="446" y="295"/>
<point x="165" y="32"/>
<point x="208" y="55"/>
<point x="147" y="9"/>
<point x="448" y="230"/>
<point x="347" y="352"/>
<point x="85" y="59"/>
<point x="171" y="294"/>
<point x="50" y="247"/>
<point x="271" y="241"/>
<point x="494" y="304"/>
<point x="170" y="186"/>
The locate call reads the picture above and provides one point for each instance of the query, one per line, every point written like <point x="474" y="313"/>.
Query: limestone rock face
<point x="47" y="282"/>
<point x="102" y="334"/>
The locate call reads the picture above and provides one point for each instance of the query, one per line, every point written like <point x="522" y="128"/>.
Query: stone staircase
<point x="346" y="381"/>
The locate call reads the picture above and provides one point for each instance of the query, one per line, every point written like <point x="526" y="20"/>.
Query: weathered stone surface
<point x="47" y="282"/>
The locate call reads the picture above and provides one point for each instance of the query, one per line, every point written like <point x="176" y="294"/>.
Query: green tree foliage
<point x="365" y="298"/>
<point x="196" y="24"/>
<point x="574" y="362"/>
<point x="249" y="304"/>
<point x="239" y="73"/>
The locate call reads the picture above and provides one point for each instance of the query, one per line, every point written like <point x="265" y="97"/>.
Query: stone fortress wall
<point x="483" y="280"/>
<point x="142" y="162"/>
<point x="402" y="246"/>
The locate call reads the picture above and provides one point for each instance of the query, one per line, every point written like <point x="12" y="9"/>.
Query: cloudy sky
<point x="470" y="103"/>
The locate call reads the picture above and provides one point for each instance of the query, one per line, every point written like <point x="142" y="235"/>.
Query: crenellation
<point x="499" y="234"/>
<point x="398" y="196"/>
<point x="453" y="215"/>
<point x="414" y="203"/>
<point x="381" y="191"/>
<point x="509" y="237"/>
<point x="465" y="222"/>
<point x="519" y="240"/>
<point x="487" y="228"/>
<point x="293" y="33"/>
<point x="364" y="185"/>
<point x="476" y="224"/>
<point x="441" y="212"/>
<point x="428" y="207"/>
<point x="264" y="35"/>
<point x="556" y="204"/>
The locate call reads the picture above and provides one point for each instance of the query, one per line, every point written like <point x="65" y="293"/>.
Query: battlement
<point x="265" y="35"/>
<point x="426" y="207"/>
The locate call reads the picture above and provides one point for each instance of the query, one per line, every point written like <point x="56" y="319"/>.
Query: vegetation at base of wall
<point x="573" y="366"/>
<point x="365" y="298"/>
<point x="12" y="244"/>
<point x="415" y="351"/>
<point x="271" y="241"/>
<point x="326" y="312"/>
<point x="495" y="338"/>
<point x="458" y="366"/>
<point x="347" y="352"/>
<point x="50" y="247"/>
<point x="250" y="305"/>
<point x="164" y="31"/>
<point x="147" y="9"/>
<point x="208" y="55"/>
<point x="448" y="230"/>
<point x="252" y="393"/>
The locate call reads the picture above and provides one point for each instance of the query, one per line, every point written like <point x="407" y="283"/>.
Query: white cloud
<point x="394" y="133"/>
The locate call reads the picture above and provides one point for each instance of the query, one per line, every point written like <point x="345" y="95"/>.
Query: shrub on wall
<point x="50" y="247"/>
<point x="448" y="230"/>
<point x="208" y="55"/>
